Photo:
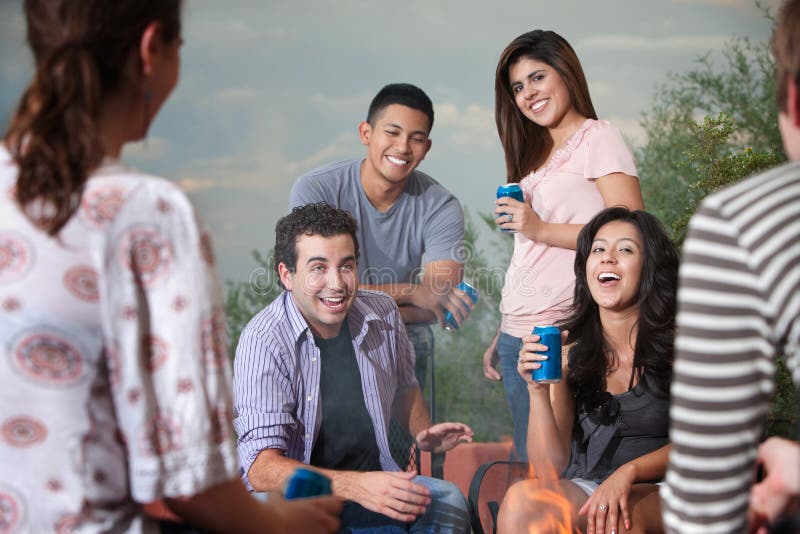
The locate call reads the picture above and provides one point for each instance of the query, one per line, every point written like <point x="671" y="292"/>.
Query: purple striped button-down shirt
<point x="276" y="376"/>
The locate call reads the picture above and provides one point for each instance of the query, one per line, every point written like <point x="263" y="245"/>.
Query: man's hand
<point x="443" y="437"/>
<point x="437" y="300"/>
<point x="779" y="491"/>
<point x="392" y="494"/>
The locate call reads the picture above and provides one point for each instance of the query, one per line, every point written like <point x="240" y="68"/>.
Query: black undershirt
<point x="346" y="439"/>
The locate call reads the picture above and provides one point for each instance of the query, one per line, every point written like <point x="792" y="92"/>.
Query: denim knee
<point x="447" y="513"/>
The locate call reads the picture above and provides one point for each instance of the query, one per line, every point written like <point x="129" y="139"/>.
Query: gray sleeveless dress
<point x="625" y="427"/>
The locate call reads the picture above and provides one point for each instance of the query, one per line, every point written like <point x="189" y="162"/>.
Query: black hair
<point x="653" y="353"/>
<point x="312" y="219"/>
<point x="404" y="94"/>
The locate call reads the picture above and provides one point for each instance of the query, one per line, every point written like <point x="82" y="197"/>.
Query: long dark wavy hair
<point x="81" y="48"/>
<point x="526" y="144"/>
<point x="653" y="352"/>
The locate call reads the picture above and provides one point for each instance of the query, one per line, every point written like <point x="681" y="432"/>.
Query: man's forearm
<point x="272" y="468"/>
<point x="413" y="314"/>
<point x="401" y="293"/>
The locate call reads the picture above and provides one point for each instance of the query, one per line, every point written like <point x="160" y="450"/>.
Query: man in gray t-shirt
<point x="402" y="214"/>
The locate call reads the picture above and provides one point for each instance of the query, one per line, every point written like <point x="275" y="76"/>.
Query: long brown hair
<point x="786" y="50"/>
<point x="526" y="144"/>
<point x="81" y="48"/>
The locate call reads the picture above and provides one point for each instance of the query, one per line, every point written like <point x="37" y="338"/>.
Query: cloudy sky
<point x="271" y="89"/>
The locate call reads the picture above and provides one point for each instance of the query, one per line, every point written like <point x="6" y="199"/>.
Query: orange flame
<point x="547" y="497"/>
<point x="558" y="519"/>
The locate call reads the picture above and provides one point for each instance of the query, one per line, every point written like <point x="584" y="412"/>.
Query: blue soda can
<point x="306" y="483"/>
<point x="513" y="191"/>
<point x="450" y="321"/>
<point x="550" y="371"/>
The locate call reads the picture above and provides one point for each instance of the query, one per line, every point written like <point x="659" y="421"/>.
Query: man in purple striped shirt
<point x="319" y="372"/>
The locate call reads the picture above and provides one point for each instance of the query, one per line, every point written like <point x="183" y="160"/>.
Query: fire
<point x="558" y="519"/>
<point x="556" y="511"/>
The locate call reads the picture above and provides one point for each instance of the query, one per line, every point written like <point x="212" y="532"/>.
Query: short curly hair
<point x="312" y="219"/>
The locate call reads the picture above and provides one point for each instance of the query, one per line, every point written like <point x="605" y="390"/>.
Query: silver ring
<point x="520" y="360"/>
<point x="510" y="217"/>
<point x="603" y="507"/>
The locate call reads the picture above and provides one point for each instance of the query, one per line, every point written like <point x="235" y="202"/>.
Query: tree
<point x="462" y="392"/>
<point x="245" y="299"/>
<point x="739" y="90"/>
<point x="716" y="163"/>
<point x="685" y="159"/>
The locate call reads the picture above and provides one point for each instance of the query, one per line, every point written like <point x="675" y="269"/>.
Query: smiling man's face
<point x="324" y="282"/>
<point x="396" y="143"/>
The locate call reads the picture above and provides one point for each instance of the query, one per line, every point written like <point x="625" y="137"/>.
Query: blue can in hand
<point x="450" y="321"/>
<point x="306" y="483"/>
<point x="550" y="371"/>
<point x="509" y="190"/>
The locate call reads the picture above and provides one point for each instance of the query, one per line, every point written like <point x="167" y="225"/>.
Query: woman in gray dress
<point x="598" y="440"/>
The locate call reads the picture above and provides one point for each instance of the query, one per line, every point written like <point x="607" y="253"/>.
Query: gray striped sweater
<point x="738" y="309"/>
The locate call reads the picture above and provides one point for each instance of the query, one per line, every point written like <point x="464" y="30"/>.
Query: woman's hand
<point x="518" y="216"/>
<point x="529" y="358"/>
<point x="490" y="359"/>
<point x="609" y="503"/>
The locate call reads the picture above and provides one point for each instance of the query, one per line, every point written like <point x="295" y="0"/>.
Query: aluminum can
<point x="450" y="321"/>
<point x="306" y="483"/>
<point x="510" y="190"/>
<point x="550" y="371"/>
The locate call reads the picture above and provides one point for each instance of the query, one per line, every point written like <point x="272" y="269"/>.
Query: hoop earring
<point x="148" y="97"/>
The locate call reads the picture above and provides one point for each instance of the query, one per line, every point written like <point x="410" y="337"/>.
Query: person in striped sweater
<point x="739" y="310"/>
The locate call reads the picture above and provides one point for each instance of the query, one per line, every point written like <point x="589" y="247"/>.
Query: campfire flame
<point x="547" y="496"/>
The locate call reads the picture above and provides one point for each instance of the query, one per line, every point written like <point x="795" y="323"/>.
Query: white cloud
<point x="466" y="129"/>
<point x="264" y="170"/>
<point x="742" y="5"/>
<point x="352" y="104"/>
<point x="149" y="149"/>
<point x="630" y="128"/>
<point x="341" y="147"/>
<point x="627" y="43"/>
<point x="194" y="185"/>
<point x="240" y="95"/>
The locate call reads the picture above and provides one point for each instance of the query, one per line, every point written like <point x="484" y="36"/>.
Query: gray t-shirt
<point x="425" y="220"/>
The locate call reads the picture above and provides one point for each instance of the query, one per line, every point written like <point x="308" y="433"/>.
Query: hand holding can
<point x="306" y="483"/>
<point x="513" y="191"/>
<point x="450" y="322"/>
<point x="550" y="370"/>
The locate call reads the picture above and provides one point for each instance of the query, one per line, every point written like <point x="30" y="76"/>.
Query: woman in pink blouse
<point x="570" y="165"/>
<point x="114" y="372"/>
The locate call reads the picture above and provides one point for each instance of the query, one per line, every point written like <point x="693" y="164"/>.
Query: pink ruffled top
<point x="539" y="282"/>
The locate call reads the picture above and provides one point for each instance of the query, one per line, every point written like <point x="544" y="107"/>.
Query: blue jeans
<point x="516" y="392"/>
<point x="446" y="514"/>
